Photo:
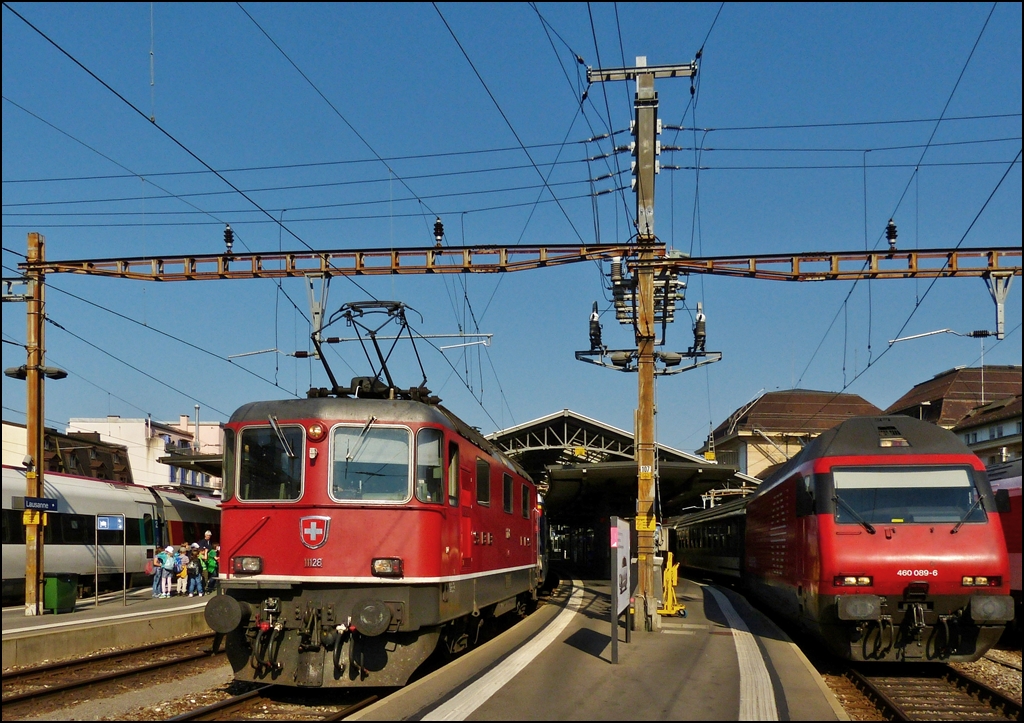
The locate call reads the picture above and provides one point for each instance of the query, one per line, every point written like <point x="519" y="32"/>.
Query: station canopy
<point x="586" y="469"/>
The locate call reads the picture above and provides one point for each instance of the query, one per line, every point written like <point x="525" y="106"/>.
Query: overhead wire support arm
<point x="987" y="262"/>
<point x="340" y="262"/>
<point x="991" y="262"/>
<point x="683" y="70"/>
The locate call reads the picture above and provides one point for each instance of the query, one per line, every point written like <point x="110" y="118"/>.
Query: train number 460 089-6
<point x="917" y="573"/>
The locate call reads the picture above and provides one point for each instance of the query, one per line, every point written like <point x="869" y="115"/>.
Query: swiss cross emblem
<point x="313" y="531"/>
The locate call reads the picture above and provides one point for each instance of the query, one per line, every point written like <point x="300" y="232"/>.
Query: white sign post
<point x="621" y="589"/>
<point x="113" y="523"/>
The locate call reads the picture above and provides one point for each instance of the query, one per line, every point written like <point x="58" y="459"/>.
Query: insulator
<point x="616" y="270"/>
<point x="229" y="238"/>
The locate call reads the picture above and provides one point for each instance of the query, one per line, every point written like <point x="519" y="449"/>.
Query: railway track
<point x="933" y="693"/>
<point x="261" y="703"/>
<point x="39" y="682"/>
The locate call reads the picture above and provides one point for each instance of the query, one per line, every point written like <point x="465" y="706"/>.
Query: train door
<point x="466" y="490"/>
<point x="451" y="527"/>
<point x="141" y="536"/>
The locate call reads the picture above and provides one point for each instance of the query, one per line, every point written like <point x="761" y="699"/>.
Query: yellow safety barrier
<point x="672" y="606"/>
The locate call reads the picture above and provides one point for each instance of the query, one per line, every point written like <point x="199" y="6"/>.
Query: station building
<point x="949" y="396"/>
<point x="763" y="434"/>
<point x="163" y="453"/>
<point x="993" y="431"/>
<point x="586" y="472"/>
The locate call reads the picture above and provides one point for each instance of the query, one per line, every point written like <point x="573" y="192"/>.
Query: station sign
<point x="114" y="523"/>
<point x="47" y="504"/>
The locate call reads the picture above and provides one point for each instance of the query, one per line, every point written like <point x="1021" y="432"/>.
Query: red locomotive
<point x="880" y="538"/>
<point x="1005" y="480"/>
<point x="361" y="530"/>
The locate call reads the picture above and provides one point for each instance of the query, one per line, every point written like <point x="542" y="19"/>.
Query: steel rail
<point x="228" y="706"/>
<point x="105" y="677"/>
<point x="988" y="703"/>
<point x="17" y="675"/>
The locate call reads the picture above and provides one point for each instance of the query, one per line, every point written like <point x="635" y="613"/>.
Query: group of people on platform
<point x="191" y="570"/>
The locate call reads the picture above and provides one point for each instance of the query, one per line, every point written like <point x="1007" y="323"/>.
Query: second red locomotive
<point x="881" y="537"/>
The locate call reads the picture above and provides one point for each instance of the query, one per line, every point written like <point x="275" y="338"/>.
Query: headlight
<point x="247" y="565"/>
<point x="387" y="567"/>
<point x="981" y="581"/>
<point x="853" y="581"/>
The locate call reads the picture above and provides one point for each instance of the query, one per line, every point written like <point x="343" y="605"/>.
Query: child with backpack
<point x="195" y="578"/>
<point x="181" y="571"/>
<point x="167" y="572"/>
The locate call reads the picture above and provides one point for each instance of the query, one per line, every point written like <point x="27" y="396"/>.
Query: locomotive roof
<point x="355" y="409"/>
<point x="864" y="435"/>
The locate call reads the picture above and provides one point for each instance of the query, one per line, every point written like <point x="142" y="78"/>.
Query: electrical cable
<point x="938" y="121"/>
<point x="911" y="146"/>
<point x="333" y="107"/>
<point x="189" y="344"/>
<point x="918" y="304"/>
<point x="288" y="166"/>
<point x="608" y="111"/>
<point x="848" y="124"/>
<point x="156" y="125"/>
<point x="482" y="209"/>
<point x="507" y="122"/>
<point x="451" y="194"/>
<point x="134" y="368"/>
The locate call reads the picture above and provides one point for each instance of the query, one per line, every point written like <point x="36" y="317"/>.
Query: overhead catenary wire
<point x="924" y="150"/>
<point x="134" y="368"/>
<point x="333" y="107"/>
<point x="919" y="302"/>
<point x="505" y="118"/>
<point x="361" y="217"/>
<point x="167" y="134"/>
<point x="168" y="335"/>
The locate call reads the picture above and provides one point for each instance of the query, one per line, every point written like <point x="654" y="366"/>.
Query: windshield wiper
<point x="853" y="513"/>
<point x="360" y="439"/>
<point x="966" y="515"/>
<point x="280" y="436"/>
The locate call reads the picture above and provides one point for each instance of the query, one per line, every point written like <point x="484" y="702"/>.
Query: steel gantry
<point x="995" y="264"/>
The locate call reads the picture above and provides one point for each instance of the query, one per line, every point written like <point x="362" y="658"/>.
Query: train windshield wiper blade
<point x="361" y="439"/>
<point x="280" y="436"/>
<point x="853" y="513"/>
<point x="966" y="515"/>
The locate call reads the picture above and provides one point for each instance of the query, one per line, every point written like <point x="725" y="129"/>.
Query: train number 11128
<point x="313" y="562"/>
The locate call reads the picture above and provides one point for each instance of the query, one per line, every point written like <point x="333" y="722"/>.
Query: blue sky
<point x="99" y="180"/>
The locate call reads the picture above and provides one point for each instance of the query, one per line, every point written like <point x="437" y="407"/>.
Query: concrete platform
<point x="32" y="640"/>
<point x="724" y="661"/>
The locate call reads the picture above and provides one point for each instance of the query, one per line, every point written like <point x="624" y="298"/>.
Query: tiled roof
<point x="796" y="411"/>
<point x="948" y="397"/>
<point x="993" y="412"/>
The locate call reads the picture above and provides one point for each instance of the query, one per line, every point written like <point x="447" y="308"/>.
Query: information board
<point x="621" y="587"/>
<point x="110" y="522"/>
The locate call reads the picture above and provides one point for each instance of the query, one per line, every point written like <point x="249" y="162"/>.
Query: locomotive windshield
<point x="267" y="471"/>
<point x="895" y="495"/>
<point x="370" y="463"/>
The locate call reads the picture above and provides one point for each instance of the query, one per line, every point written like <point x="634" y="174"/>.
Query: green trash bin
<point x="60" y="591"/>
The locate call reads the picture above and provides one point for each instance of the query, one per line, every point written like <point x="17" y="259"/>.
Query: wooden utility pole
<point x="645" y="130"/>
<point x="33" y="519"/>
